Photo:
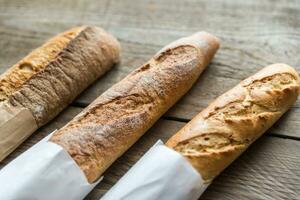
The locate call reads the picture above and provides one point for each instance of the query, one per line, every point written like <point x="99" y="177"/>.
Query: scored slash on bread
<point x="120" y="116"/>
<point x="221" y="132"/>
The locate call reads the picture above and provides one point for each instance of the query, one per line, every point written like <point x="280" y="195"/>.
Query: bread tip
<point x="207" y="36"/>
<point x="208" y="43"/>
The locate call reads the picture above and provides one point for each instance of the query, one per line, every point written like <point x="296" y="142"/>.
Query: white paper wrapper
<point x="45" y="171"/>
<point x="161" y="173"/>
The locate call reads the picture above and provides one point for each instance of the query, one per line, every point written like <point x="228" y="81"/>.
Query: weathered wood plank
<point x="268" y="170"/>
<point x="253" y="33"/>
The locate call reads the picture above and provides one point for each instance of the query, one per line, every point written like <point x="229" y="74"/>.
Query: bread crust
<point x="221" y="132"/>
<point x="35" y="62"/>
<point x="50" y="77"/>
<point x="115" y="120"/>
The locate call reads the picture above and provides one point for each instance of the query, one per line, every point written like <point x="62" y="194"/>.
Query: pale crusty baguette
<point x="116" y="119"/>
<point x="221" y="132"/>
<point x="50" y="77"/>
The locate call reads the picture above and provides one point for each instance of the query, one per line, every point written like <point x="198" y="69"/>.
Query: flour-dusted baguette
<point x="115" y="120"/>
<point x="49" y="78"/>
<point x="221" y="132"/>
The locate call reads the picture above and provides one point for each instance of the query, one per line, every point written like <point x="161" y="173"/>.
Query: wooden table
<point x="253" y="33"/>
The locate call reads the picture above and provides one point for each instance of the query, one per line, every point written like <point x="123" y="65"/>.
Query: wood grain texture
<point x="253" y="33"/>
<point x="268" y="170"/>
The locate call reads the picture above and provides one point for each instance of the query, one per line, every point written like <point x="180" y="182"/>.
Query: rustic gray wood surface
<point x="253" y="33"/>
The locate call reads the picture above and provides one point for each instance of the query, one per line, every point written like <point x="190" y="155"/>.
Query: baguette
<point x="49" y="78"/>
<point x="221" y="132"/>
<point x="119" y="117"/>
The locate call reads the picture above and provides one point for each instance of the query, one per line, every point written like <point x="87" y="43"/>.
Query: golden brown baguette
<point x="221" y="132"/>
<point x="115" y="120"/>
<point x="50" y="77"/>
